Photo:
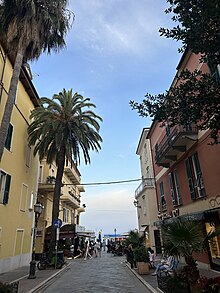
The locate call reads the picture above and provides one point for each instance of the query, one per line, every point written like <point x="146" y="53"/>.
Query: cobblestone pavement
<point x="107" y="274"/>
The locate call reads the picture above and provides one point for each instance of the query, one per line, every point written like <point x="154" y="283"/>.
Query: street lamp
<point x="38" y="208"/>
<point x="115" y="234"/>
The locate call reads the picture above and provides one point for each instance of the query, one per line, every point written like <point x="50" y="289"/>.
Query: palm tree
<point x="182" y="238"/>
<point x="28" y="28"/>
<point x="62" y="127"/>
<point x="135" y="239"/>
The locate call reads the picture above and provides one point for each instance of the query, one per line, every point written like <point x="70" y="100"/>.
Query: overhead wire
<point x="105" y="183"/>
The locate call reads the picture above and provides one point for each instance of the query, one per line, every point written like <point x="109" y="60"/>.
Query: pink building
<point x="187" y="173"/>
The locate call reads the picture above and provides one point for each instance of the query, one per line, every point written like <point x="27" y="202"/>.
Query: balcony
<point x="45" y="186"/>
<point x="146" y="183"/>
<point x="73" y="174"/>
<point x="174" y="145"/>
<point x="70" y="199"/>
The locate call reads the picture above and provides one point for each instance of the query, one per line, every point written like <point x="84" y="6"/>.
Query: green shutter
<point x="177" y="187"/>
<point x="7" y="188"/>
<point x="190" y="179"/>
<point x="199" y="178"/>
<point x="172" y="189"/>
<point x="9" y="137"/>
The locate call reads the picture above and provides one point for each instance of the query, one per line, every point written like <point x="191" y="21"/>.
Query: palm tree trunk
<point x="56" y="195"/>
<point x="11" y="99"/>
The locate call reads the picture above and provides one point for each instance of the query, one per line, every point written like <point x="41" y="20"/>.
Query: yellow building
<point x="70" y="203"/>
<point x="18" y="173"/>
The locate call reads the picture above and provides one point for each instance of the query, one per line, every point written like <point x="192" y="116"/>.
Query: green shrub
<point x="141" y="254"/>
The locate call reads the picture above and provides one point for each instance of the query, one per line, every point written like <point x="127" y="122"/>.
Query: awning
<point x="66" y="231"/>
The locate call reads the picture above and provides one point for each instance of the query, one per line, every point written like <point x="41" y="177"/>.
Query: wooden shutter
<point x="179" y="198"/>
<point x="7" y="188"/>
<point x="190" y="179"/>
<point x="172" y="189"/>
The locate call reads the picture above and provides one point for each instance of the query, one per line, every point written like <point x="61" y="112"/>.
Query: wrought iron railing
<point x="146" y="182"/>
<point x="168" y="140"/>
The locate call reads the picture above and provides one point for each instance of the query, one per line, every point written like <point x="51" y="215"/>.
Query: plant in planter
<point x="51" y="179"/>
<point x="141" y="257"/>
<point x="5" y="288"/>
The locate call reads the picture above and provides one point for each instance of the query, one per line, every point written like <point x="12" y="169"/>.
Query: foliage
<point x="175" y="284"/>
<point x="194" y="101"/>
<point x="189" y="274"/>
<point x="182" y="238"/>
<point x="196" y="98"/>
<point x="63" y="122"/>
<point x="51" y="179"/>
<point x="5" y="288"/>
<point x="135" y="239"/>
<point x="28" y="28"/>
<point x="36" y="26"/>
<point x="198" y="26"/>
<point x="141" y="254"/>
<point x="205" y="285"/>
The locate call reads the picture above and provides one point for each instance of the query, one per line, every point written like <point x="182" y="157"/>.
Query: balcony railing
<point x="71" y="199"/>
<point x="176" y="142"/>
<point x="146" y="182"/>
<point x="73" y="174"/>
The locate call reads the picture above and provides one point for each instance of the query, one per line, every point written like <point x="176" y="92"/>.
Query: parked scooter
<point x="45" y="262"/>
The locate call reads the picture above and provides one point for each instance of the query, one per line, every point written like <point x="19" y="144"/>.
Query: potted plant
<point x="141" y="257"/>
<point x="51" y="179"/>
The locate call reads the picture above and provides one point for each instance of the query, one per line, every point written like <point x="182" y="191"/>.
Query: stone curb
<point x="46" y="283"/>
<point x="149" y="287"/>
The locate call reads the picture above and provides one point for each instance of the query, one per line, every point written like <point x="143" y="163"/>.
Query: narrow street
<point x="106" y="274"/>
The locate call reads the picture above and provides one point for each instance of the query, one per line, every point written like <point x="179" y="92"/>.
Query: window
<point x="195" y="179"/>
<point x="156" y="152"/>
<point x="65" y="215"/>
<point x="23" y="203"/>
<point x="215" y="72"/>
<point x="144" y="205"/>
<point x="28" y="156"/>
<point x="175" y="188"/>
<point x="162" y="196"/>
<point x="9" y="137"/>
<point x="146" y="152"/>
<point x="40" y="178"/>
<point x="5" y="181"/>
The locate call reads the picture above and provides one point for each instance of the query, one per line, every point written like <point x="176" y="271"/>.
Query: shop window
<point x="213" y="244"/>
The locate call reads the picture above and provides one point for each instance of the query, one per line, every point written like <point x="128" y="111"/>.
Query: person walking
<point x="87" y="254"/>
<point x="98" y="248"/>
<point x="130" y="256"/>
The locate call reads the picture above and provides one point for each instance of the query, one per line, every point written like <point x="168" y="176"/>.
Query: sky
<point x="114" y="54"/>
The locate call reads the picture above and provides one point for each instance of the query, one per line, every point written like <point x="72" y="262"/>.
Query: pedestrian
<point x="98" y="248"/>
<point x="151" y="258"/>
<point x="87" y="254"/>
<point x="166" y="265"/>
<point x="72" y="250"/>
<point x="130" y="256"/>
<point x="103" y="244"/>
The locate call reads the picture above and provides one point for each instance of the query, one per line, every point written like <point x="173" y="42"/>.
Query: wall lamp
<point x="136" y="204"/>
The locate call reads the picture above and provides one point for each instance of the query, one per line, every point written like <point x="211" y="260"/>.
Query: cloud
<point x="110" y="209"/>
<point x="106" y="26"/>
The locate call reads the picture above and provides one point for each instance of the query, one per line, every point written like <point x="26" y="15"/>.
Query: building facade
<point x="70" y="204"/>
<point x="18" y="172"/>
<point x="145" y="195"/>
<point x="187" y="174"/>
